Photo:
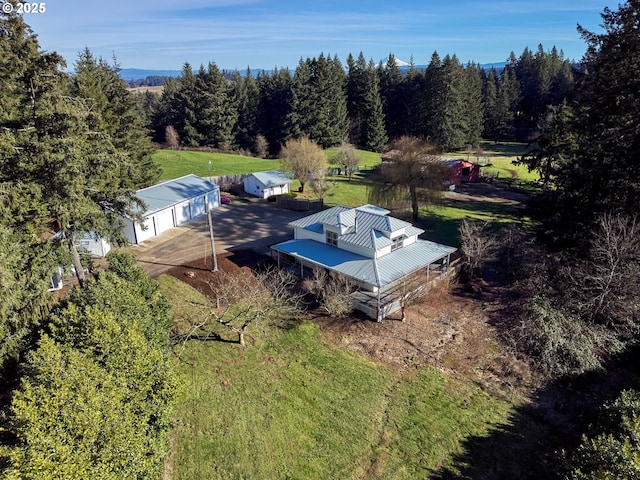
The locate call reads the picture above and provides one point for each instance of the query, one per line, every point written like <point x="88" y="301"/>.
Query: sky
<point x="263" y="34"/>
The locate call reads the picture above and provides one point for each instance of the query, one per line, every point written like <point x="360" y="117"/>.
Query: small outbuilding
<point x="266" y="184"/>
<point x="170" y="204"/>
<point x="461" y="171"/>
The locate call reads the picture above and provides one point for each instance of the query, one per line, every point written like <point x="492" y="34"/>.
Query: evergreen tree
<point x="276" y="98"/>
<point x="357" y="89"/>
<point x="247" y="101"/>
<point x="473" y="102"/>
<point x="56" y="144"/>
<point x="96" y="397"/>
<point x="491" y="115"/>
<point x="555" y="146"/>
<point x="375" y="136"/>
<point x="118" y="115"/>
<point x="319" y="107"/>
<point x="448" y="123"/>
<point x="391" y="84"/>
<point x="607" y="175"/>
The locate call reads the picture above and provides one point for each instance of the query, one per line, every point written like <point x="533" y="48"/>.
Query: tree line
<point x="366" y="104"/>
<point x="86" y="389"/>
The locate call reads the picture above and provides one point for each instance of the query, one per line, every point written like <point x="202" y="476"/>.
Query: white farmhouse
<point x="376" y="251"/>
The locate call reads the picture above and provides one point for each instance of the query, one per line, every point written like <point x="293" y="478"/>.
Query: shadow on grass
<point x="540" y="436"/>
<point x="504" y="149"/>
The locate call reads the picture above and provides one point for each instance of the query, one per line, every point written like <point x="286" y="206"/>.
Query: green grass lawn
<point x="292" y="406"/>
<point x="501" y="156"/>
<point x="176" y="163"/>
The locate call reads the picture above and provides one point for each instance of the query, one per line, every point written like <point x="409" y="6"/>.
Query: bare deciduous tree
<point x="304" y="159"/>
<point x="242" y="298"/>
<point x="477" y="243"/>
<point x="171" y="137"/>
<point x="348" y="158"/>
<point x="333" y="291"/>
<point x="321" y="186"/>
<point x="608" y="278"/>
<point x="261" y="147"/>
<point x="415" y="173"/>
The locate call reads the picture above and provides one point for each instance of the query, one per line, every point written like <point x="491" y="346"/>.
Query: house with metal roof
<point x="170" y="204"/>
<point x="376" y="251"/>
<point x="266" y="184"/>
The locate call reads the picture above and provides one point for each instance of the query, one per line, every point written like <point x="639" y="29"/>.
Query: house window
<point x="397" y="242"/>
<point x="332" y="239"/>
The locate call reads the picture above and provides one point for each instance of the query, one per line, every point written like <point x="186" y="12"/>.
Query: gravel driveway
<point x="244" y="224"/>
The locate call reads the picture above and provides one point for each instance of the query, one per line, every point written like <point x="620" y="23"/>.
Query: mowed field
<point x="440" y="221"/>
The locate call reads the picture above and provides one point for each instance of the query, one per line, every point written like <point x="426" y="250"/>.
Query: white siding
<point x="213" y="199"/>
<point x="302" y="234"/>
<point x="365" y="252"/>
<point x="253" y="187"/>
<point x="142" y="235"/>
<point x="129" y="231"/>
<point x="98" y="247"/>
<point x="182" y="213"/>
<point x="164" y="220"/>
<point x="198" y="206"/>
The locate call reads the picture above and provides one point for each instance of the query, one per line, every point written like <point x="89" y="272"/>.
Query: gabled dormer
<point x="366" y="230"/>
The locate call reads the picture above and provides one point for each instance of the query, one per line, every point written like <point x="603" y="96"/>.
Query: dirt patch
<point x="448" y="330"/>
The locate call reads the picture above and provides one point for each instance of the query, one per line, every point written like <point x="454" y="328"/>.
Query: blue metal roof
<point x="165" y="194"/>
<point x="272" y="178"/>
<point x="378" y="272"/>
<point x="367" y="225"/>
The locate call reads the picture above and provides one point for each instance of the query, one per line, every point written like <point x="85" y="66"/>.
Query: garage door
<point x="197" y="207"/>
<point x="213" y="198"/>
<point x="142" y="235"/>
<point x="164" y="220"/>
<point x="182" y="213"/>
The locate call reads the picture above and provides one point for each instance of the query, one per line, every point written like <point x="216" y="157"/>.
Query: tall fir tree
<point x="374" y="133"/>
<point x="607" y="176"/>
<point x="246" y="98"/>
<point x="391" y="85"/>
<point x="276" y="99"/>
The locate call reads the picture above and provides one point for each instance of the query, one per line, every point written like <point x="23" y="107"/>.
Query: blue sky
<point x="162" y="34"/>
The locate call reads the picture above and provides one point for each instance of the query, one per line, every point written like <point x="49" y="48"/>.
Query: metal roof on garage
<point x="378" y="272"/>
<point x="272" y="178"/>
<point x="169" y="193"/>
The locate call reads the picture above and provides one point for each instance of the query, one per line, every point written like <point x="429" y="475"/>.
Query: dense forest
<point x="453" y="105"/>
<point x="86" y="384"/>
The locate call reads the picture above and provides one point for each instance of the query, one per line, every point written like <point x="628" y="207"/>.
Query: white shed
<point x="265" y="184"/>
<point x="92" y="243"/>
<point x="170" y="204"/>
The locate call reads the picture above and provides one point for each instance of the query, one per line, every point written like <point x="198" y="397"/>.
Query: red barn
<point x="461" y="171"/>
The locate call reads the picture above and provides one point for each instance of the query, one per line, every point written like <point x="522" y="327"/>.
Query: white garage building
<point x="170" y="204"/>
<point x="265" y="184"/>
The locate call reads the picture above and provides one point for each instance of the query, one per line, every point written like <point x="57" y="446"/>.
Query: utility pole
<point x="214" y="260"/>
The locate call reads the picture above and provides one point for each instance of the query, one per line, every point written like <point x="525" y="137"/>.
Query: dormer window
<point x="332" y="238"/>
<point x="397" y="242"/>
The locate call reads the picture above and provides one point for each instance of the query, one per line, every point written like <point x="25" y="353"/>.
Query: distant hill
<point x="140" y="74"/>
<point x="137" y="77"/>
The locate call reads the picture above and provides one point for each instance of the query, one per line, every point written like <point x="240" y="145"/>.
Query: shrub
<point x="557" y="341"/>
<point x="333" y="292"/>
